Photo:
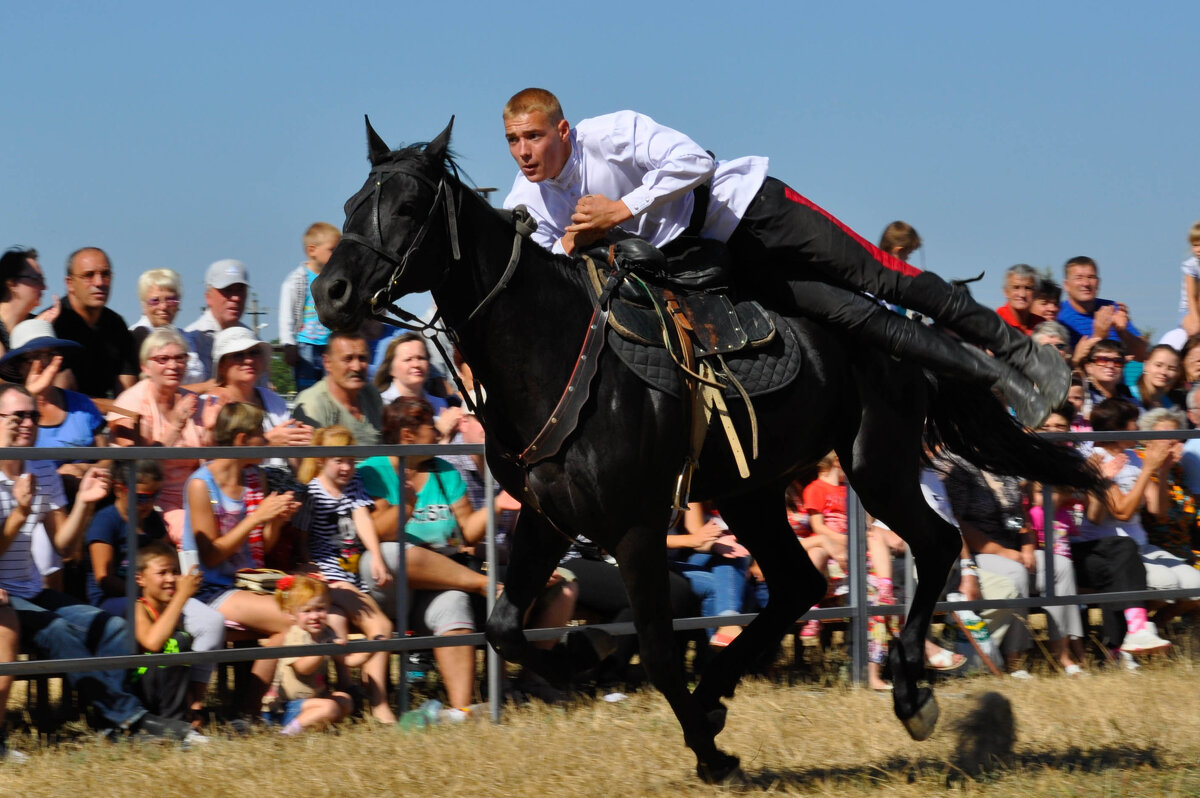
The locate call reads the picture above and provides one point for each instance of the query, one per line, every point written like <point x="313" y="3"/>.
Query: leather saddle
<point x="682" y="298"/>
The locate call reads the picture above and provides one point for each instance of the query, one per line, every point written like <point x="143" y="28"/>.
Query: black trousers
<point x="1110" y="565"/>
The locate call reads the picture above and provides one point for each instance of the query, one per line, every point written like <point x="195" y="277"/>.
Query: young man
<point x="653" y="182"/>
<point x="301" y="333"/>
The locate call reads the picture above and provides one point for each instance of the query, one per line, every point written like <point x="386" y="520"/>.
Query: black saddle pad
<point x="761" y="371"/>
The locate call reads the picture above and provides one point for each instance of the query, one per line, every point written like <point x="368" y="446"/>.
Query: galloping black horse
<point x="415" y="227"/>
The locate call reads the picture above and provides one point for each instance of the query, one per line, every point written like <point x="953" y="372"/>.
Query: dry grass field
<point x="1114" y="734"/>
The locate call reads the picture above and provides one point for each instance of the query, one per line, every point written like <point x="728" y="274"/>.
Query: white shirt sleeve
<point x="673" y="164"/>
<point x="287" y="301"/>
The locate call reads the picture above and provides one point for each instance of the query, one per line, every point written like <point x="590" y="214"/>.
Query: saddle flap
<point x="712" y="322"/>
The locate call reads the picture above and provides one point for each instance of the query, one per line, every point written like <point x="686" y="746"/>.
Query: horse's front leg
<point x="642" y="555"/>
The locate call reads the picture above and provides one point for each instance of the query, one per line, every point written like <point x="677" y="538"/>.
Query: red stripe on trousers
<point x="886" y="260"/>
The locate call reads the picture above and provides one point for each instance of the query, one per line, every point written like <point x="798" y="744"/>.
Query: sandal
<point x="945" y="660"/>
<point x="724" y="636"/>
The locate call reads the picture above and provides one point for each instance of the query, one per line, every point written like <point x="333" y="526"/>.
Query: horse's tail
<point x="971" y="423"/>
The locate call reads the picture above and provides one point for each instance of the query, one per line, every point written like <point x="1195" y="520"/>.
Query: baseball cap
<point x="225" y="273"/>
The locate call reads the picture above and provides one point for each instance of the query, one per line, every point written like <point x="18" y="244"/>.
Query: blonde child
<point x="340" y="530"/>
<point x="300" y="331"/>
<point x="301" y="698"/>
<point x="170" y="621"/>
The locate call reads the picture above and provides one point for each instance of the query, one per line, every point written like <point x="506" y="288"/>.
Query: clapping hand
<point x="94" y="486"/>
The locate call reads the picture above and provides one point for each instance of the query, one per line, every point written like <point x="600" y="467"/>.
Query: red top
<point x="1005" y="312"/>
<point x="829" y="501"/>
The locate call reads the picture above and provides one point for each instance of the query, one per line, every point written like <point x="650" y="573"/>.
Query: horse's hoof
<point x="726" y="771"/>
<point x="922" y="723"/>
<point x="716" y="719"/>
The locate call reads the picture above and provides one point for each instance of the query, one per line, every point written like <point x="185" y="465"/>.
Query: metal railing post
<point x="856" y="557"/>
<point x="131" y="551"/>
<point x="494" y="665"/>
<point x="400" y="584"/>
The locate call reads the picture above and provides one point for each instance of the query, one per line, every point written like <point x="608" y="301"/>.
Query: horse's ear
<point x="376" y="149"/>
<point x="440" y="145"/>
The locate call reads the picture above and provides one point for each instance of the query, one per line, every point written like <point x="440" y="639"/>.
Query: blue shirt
<point x="109" y="527"/>
<point x="1079" y="325"/>
<point x="79" y="428"/>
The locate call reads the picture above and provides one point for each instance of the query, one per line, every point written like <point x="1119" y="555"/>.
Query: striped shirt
<point x="18" y="573"/>
<point x="333" y="540"/>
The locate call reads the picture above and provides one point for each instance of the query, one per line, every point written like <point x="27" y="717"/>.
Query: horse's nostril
<point x="338" y="290"/>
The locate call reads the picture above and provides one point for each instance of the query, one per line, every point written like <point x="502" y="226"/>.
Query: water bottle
<point x="422" y="717"/>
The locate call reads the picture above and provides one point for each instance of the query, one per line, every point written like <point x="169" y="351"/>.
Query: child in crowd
<point x="300" y="698"/>
<point x="340" y="531"/>
<point x="170" y="621"/>
<point x="825" y="501"/>
<point x="1189" y="295"/>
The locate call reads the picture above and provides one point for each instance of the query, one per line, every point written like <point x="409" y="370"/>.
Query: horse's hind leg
<point x="760" y="522"/>
<point x="641" y="555"/>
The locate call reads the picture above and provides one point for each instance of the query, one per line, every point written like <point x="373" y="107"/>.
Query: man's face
<point x="1018" y="291"/>
<point x="89" y="280"/>
<point x="227" y="303"/>
<point x="539" y="147"/>
<point x="1082" y="283"/>
<point x="346" y="362"/>
<point x="20" y="418"/>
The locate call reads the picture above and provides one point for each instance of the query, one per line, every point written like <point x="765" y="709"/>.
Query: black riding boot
<point x="952" y="306"/>
<point x="941" y="354"/>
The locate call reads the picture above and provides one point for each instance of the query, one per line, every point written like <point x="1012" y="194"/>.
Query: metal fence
<point x="856" y="611"/>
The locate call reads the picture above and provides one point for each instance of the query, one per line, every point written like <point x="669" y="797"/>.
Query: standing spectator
<point x="1047" y="299"/>
<point x="1091" y="319"/>
<point x="344" y="397"/>
<point x="300" y="331"/>
<point x="900" y="239"/>
<point x="21" y="286"/>
<point x="161" y="292"/>
<point x="1189" y="295"/>
<point x="1019" y="283"/>
<point x="57" y="625"/>
<point x="226" y="286"/>
<point x="106" y="363"/>
<point x="159" y="412"/>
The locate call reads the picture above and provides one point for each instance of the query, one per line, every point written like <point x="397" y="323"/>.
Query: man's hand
<point x="1102" y="322"/>
<point x="595" y="215"/>
<point x="22" y="492"/>
<point x="1120" y="317"/>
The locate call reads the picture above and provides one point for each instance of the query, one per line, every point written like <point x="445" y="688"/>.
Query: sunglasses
<point x="146" y="498"/>
<point x="1108" y="361"/>
<point x="23" y="415"/>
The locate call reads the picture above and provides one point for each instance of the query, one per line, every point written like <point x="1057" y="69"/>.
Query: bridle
<point x="381" y="301"/>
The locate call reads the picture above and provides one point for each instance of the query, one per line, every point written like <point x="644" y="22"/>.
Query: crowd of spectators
<point x="77" y="375"/>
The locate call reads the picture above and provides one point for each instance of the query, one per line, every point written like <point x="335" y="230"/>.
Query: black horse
<point x="415" y="227"/>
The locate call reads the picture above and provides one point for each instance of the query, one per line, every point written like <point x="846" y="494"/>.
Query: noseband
<point x="443" y="199"/>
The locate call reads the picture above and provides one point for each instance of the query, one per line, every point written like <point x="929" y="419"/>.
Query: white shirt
<point x="1110" y="526"/>
<point x="19" y="574"/>
<point x="652" y="169"/>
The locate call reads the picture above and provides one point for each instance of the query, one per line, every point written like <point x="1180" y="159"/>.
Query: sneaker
<point x="1075" y="670"/>
<point x="811" y="629"/>
<point x="1144" y="641"/>
<point x="1128" y="662"/>
<point x="11" y="756"/>
<point x="1021" y="675"/>
<point x="165" y="728"/>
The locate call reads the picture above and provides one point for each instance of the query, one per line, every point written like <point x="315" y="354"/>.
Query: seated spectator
<point x="441" y="519"/>
<point x="991" y="515"/>
<point x="106" y="363"/>
<point x="226" y="287"/>
<point x="1047" y="299"/>
<point x="21" y="286"/>
<point x="1190" y="459"/>
<point x="340" y="531"/>
<point x="56" y="625"/>
<point x="1104" y="370"/>
<point x="1019" y="283"/>
<point x="105" y="539"/>
<point x="405" y="372"/>
<point x="1190" y="362"/>
<point x="825" y="502"/>
<point x="343" y="397"/>
<point x="172" y="621"/>
<point x="1089" y="318"/>
<point x="1189" y="292"/>
<point x="300" y="331"/>
<point x="231" y="524"/>
<point x="1078" y="404"/>
<point x="1157" y="384"/>
<point x="303" y="700"/>
<point x="160" y="292"/>
<point x="1138" y="481"/>
<point x="239" y="362"/>
<point x="10" y="647"/>
<point x="1051" y="333"/>
<point x="715" y="565"/>
<point x="159" y="412"/>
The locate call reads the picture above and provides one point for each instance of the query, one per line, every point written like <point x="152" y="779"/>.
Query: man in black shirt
<point x="107" y="363"/>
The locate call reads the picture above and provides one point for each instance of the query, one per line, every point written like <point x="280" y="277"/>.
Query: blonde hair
<point x="826" y="462"/>
<point x="234" y="418"/>
<point x="326" y="436"/>
<point x="319" y="230"/>
<point x="159" y="278"/>
<point x="1194" y="234"/>
<point x="526" y="101"/>
<point x="158" y="338"/>
<point x="298" y="591"/>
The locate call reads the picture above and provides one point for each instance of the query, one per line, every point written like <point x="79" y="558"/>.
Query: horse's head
<point x="398" y="236"/>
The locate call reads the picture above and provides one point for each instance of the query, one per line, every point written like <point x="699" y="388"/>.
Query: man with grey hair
<point x="1019" y="282"/>
<point x="226" y="286"/>
<point x="1190" y="461"/>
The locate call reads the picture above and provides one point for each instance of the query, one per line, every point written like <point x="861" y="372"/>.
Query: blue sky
<point x="174" y="135"/>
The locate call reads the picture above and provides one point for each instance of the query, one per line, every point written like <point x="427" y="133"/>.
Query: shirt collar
<point x="570" y="170"/>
